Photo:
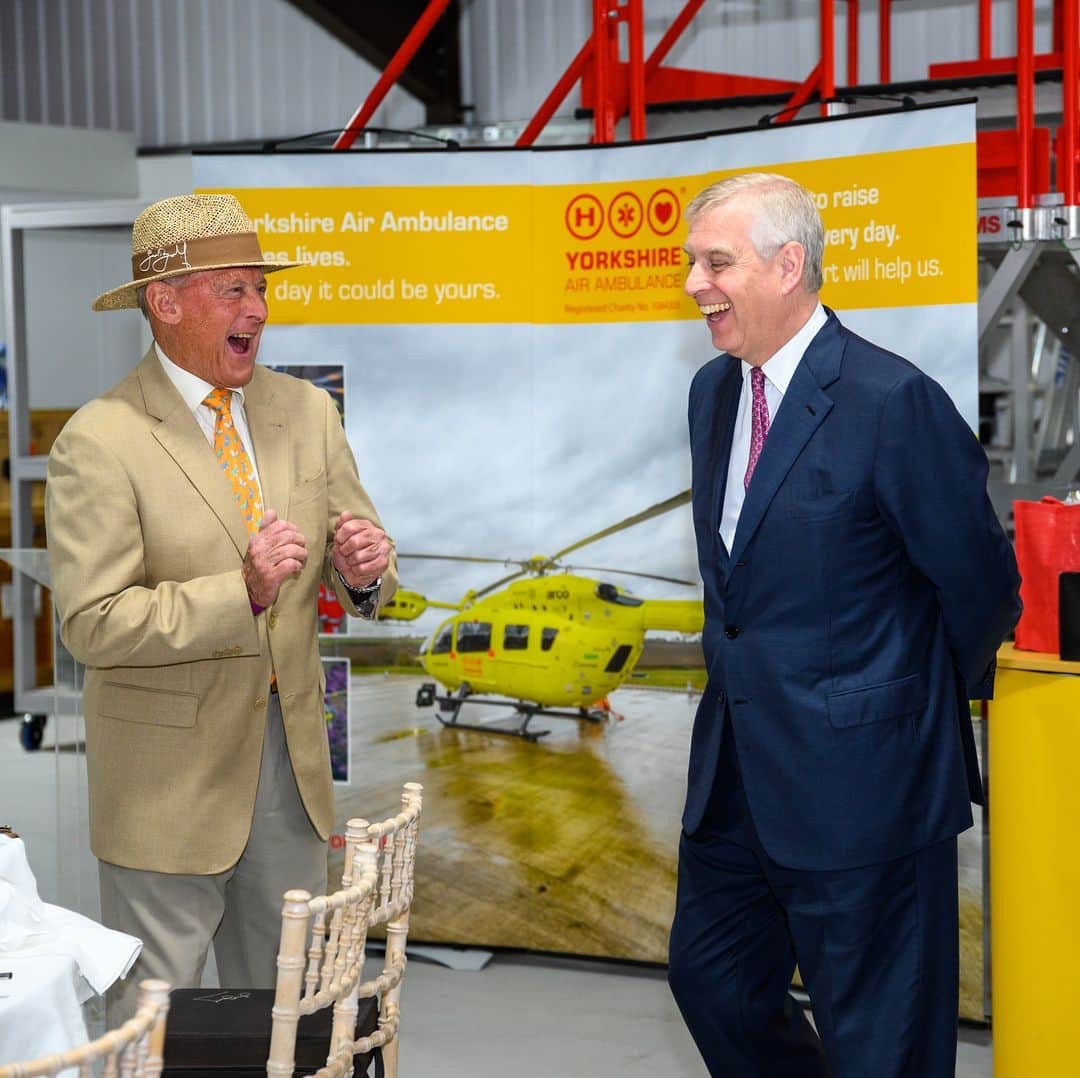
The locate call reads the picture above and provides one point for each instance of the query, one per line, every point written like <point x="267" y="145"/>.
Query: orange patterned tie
<point x="234" y="459"/>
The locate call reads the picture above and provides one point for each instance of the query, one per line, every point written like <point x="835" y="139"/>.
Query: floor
<point x="519" y="1015"/>
<point x="530" y="1018"/>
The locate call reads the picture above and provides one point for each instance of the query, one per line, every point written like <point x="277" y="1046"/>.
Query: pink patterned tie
<point x="759" y="421"/>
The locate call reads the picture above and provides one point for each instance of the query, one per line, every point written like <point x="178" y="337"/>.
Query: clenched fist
<point x="276" y="551"/>
<point x="361" y="551"/>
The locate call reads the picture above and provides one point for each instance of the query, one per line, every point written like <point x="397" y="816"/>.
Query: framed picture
<point x="336" y="713"/>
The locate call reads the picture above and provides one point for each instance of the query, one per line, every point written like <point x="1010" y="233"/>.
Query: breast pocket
<point x="307" y="489"/>
<point x="820" y="506"/>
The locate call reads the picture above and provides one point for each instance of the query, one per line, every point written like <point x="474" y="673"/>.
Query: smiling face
<point x="211" y="323"/>
<point x="752" y="305"/>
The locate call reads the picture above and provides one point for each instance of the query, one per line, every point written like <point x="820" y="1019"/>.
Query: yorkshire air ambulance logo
<point x="626" y="215"/>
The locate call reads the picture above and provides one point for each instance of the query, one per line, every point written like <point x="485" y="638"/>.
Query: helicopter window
<point x="618" y="659"/>
<point x="547" y="638"/>
<point x="443" y="641"/>
<point x="515" y="637"/>
<point x="611" y="594"/>
<point x="473" y="636"/>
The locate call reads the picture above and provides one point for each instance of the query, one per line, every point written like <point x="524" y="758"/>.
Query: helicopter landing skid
<point x="516" y="724"/>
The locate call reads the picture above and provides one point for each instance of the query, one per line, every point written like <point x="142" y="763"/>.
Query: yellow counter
<point x="1035" y="863"/>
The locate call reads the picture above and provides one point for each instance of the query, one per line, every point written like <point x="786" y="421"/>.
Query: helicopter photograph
<point x="555" y="640"/>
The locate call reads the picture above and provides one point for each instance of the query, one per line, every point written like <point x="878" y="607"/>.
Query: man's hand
<point x="361" y="551"/>
<point x="276" y="551"/>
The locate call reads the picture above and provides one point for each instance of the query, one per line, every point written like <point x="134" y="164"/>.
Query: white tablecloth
<point x="57" y="960"/>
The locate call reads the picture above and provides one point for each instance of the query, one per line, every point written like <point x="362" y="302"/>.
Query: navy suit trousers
<point x="876" y="947"/>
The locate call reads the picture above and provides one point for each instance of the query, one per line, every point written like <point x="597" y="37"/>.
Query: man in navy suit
<point x="857" y="586"/>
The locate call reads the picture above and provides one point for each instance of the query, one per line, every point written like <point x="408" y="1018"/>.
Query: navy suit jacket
<point x="868" y="587"/>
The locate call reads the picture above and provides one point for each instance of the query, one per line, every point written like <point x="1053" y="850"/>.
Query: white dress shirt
<point x="778" y="370"/>
<point x="194" y="390"/>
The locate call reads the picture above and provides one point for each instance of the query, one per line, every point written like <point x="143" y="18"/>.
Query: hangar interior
<point x="104" y="102"/>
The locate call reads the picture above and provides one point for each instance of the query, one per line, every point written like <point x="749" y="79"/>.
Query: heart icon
<point x="662" y="211"/>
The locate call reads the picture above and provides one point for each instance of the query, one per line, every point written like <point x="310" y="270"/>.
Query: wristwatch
<point x="366" y="599"/>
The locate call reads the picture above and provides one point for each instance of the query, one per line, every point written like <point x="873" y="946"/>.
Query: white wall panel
<point x="515" y="50"/>
<point x="178" y="72"/>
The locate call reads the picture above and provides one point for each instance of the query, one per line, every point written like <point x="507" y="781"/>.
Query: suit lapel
<point x="722" y="433"/>
<point x="802" y="411"/>
<point x="179" y="435"/>
<point x="269" y="428"/>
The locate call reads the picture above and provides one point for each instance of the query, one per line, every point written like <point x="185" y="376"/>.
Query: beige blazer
<point x="145" y="546"/>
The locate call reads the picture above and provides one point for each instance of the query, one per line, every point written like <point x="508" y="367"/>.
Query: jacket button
<point x="260" y="703"/>
<point x="731" y="631"/>
<point x="273" y="618"/>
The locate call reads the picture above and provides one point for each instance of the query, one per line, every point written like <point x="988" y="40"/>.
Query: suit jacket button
<point x="260" y="703"/>
<point x="731" y="631"/>
<point x="273" y="618"/>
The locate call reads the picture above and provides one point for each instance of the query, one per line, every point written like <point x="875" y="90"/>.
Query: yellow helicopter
<point x="553" y="641"/>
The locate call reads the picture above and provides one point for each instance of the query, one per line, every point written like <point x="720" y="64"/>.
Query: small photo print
<point x="336" y="713"/>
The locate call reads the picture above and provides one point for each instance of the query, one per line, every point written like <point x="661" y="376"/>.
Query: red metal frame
<point x="397" y="65"/>
<point x="885" y="40"/>
<point x="613" y="87"/>
<point x="1070" y="105"/>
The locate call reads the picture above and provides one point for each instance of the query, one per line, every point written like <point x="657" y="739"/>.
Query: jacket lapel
<point x="722" y="433"/>
<point x="802" y="411"/>
<point x="269" y="434"/>
<point x="179" y="435"/>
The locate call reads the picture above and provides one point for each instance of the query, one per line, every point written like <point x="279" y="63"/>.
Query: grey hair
<point x="140" y="292"/>
<point x="785" y="212"/>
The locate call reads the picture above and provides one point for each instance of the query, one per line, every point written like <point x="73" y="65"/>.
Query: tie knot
<point x="757" y="379"/>
<point x="219" y="399"/>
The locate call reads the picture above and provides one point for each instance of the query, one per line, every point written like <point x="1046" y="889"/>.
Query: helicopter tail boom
<point x="674" y="615"/>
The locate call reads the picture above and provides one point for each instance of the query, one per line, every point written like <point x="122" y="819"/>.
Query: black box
<point x="217" y="1031"/>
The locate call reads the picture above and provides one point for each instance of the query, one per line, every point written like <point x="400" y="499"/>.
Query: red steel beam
<point x="986" y="21"/>
<point x="800" y="96"/>
<point x="884" y="40"/>
<point x="828" y="53"/>
<point x="558" y="94"/>
<point x="400" y="60"/>
<point x="999" y="65"/>
<point x="603" y="123"/>
<point x="636" y="29"/>
<point x="852" y="42"/>
<point x="1025" y="96"/>
<point x="1070" y="47"/>
<point x="671" y="35"/>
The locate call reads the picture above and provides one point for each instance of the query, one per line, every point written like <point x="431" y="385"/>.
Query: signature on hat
<point x="157" y="260"/>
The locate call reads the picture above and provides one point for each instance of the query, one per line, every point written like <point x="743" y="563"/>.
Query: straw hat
<point x="184" y="235"/>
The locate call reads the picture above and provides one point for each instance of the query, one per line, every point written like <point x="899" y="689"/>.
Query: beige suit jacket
<point x="145" y="545"/>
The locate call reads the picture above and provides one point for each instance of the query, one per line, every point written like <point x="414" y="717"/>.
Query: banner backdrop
<point x="518" y="347"/>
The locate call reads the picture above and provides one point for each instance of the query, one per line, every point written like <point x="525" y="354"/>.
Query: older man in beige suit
<point x="191" y="513"/>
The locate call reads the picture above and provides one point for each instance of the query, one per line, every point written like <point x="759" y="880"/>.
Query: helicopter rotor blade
<point x="638" y="518"/>
<point x="629" y="572"/>
<point x="499" y="583"/>
<point x="460" y="557"/>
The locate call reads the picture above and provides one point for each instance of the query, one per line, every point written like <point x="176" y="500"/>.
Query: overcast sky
<point x="509" y="441"/>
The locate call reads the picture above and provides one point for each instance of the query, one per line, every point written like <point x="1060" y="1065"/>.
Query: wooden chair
<point x="376" y="888"/>
<point x="133" y="1050"/>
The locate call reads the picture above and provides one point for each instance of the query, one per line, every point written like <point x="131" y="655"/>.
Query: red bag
<point x="1047" y="544"/>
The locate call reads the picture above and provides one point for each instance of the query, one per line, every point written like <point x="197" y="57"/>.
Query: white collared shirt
<point x="194" y="390"/>
<point x="778" y="370"/>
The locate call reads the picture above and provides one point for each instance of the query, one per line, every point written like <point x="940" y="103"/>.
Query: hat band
<point x="188" y="256"/>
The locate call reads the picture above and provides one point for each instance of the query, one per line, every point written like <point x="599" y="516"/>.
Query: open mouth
<point x="241" y="344"/>
<point x="712" y="311"/>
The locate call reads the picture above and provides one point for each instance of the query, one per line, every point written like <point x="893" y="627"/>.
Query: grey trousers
<point x="239" y="910"/>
